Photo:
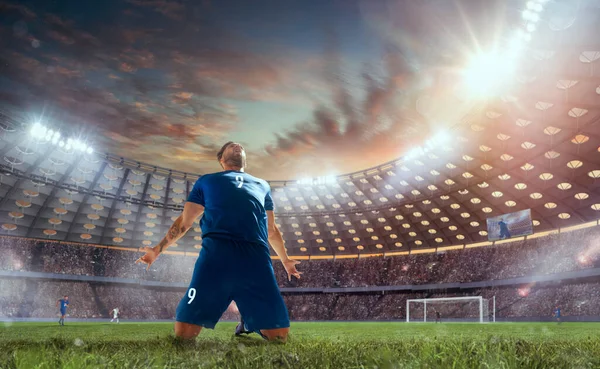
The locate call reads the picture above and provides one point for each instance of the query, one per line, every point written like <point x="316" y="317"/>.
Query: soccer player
<point x="64" y="302"/>
<point x="504" y="232"/>
<point x="438" y="317"/>
<point x="557" y="314"/>
<point x="115" y="312"/>
<point x="238" y="225"/>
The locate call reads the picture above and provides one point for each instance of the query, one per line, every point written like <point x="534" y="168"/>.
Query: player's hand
<point x="149" y="257"/>
<point x="290" y="268"/>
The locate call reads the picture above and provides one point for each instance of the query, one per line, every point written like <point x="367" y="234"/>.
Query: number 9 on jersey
<point x="240" y="181"/>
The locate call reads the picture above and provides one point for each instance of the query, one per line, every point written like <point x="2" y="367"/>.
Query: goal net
<point x="449" y="309"/>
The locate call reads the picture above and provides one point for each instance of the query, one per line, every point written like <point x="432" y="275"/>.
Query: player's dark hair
<point x="220" y="153"/>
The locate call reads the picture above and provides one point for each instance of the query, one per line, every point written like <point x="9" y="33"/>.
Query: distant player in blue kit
<point x="504" y="232"/>
<point x="64" y="302"/>
<point x="238" y="225"/>
<point x="557" y="314"/>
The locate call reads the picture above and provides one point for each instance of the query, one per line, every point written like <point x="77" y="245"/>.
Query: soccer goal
<point x="451" y="309"/>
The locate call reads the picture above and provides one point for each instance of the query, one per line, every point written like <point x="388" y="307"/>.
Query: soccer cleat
<point x="241" y="329"/>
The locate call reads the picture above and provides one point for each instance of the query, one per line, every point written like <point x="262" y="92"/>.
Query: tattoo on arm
<point x="175" y="232"/>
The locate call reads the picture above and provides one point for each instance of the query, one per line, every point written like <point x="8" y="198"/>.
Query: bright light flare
<point x="317" y="180"/>
<point x="38" y="130"/>
<point x="583" y="259"/>
<point x="524" y="292"/>
<point x="534" y="17"/>
<point x="486" y="75"/>
<point x="414" y="153"/>
<point x="440" y="138"/>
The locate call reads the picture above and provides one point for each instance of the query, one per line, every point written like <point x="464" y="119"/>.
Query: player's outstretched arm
<point x="276" y="242"/>
<point x="191" y="212"/>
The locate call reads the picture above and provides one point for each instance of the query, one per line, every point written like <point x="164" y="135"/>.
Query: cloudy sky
<point x="310" y="87"/>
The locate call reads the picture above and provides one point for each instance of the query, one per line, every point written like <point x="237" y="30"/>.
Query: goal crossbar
<point x="446" y="299"/>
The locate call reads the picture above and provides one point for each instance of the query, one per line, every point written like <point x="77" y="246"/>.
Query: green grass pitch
<point x="311" y="345"/>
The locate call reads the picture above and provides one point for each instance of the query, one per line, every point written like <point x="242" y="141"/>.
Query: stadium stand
<point x="549" y="255"/>
<point x="554" y="253"/>
<point x="89" y="300"/>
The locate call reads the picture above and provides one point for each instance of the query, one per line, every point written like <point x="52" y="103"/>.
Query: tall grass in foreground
<point x="312" y="345"/>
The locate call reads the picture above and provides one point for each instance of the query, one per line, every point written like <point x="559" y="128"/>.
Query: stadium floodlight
<point x="304" y="181"/>
<point x="38" y="130"/>
<point x="49" y="134"/>
<point x="440" y="138"/>
<point x="535" y="17"/>
<point x="515" y="45"/>
<point x="413" y="153"/>
<point x="530" y="27"/>
<point x="531" y="5"/>
<point x="538" y="7"/>
<point x="487" y="73"/>
<point x="41" y="132"/>
<point x="330" y="179"/>
<point x="527" y="14"/>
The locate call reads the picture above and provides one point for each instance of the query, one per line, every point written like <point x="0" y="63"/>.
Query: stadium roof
<point x="537" y="146"/>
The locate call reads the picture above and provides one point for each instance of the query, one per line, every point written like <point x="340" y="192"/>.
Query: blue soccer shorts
<point x="63" y="312"/>
<point x="228" y="270"/>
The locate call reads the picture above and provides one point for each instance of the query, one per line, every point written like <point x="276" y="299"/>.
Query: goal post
<point x="458" y="309"/>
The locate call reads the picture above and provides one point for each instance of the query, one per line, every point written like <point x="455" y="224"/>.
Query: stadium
<point x="457" y="253"/>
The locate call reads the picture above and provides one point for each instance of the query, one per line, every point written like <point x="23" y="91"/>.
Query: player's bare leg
<point x="187" y="331"/>
<point x="279" y="334"/>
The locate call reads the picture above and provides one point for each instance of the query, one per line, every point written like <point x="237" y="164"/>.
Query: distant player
<point x="438" y="317"/>
<point x="504" y="232"/>
<point x="557" y="314"/>
<point x="238" y="224"/>
<point x="115" y="313"/>
<point x="64" y="302"/>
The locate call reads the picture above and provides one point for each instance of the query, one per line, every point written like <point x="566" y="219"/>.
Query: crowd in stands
<point x="89" y="300"/>
<point x="544" y="255"/>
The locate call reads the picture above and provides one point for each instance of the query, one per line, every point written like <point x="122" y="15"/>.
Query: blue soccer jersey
<point x="557" y="313"/>
<point x="235" y="205"/>
<point x="63" y="304"/>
